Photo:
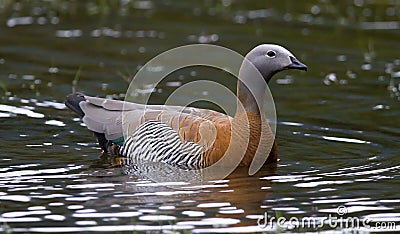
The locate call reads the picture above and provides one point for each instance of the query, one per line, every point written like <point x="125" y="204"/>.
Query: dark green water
<point x="338" y="124"/>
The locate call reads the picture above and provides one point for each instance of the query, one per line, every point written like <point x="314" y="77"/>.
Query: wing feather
<point x="106" y="116"/>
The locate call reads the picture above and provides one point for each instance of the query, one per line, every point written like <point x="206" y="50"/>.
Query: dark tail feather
<point x="72" y="102"/>
<point x="103" y="142"/>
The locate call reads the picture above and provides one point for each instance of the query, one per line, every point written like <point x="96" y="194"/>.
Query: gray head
<point x="270" y="59"/>
<point x="257" y="69"/>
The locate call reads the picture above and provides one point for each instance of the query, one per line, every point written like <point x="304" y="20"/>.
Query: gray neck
<point x="251" y="89"/>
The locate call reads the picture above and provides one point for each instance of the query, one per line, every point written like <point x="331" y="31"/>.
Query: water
<point x="338" y="128"/>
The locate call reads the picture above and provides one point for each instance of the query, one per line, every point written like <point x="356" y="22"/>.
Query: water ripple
<point x="20" y="110"/>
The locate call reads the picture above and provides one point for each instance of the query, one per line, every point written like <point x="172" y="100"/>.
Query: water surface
<point x="338" y="129"/>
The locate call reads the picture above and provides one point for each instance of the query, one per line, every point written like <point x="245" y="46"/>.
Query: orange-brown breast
<point x="189" y="130"/>
<point x="260" y="137"/>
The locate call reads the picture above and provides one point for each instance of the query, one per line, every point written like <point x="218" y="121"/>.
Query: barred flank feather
<point x="157" y="142"/>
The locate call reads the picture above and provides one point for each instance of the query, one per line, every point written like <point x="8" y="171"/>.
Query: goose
<point x="190" y="137"/>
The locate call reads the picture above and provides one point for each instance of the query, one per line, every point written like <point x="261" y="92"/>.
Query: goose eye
<point x="271" y="54"/>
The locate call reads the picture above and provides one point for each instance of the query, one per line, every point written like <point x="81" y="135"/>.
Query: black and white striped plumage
<point x="155" y="141"/>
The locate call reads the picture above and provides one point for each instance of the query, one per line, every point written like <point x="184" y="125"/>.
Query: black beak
<point x="296" y="64"/>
